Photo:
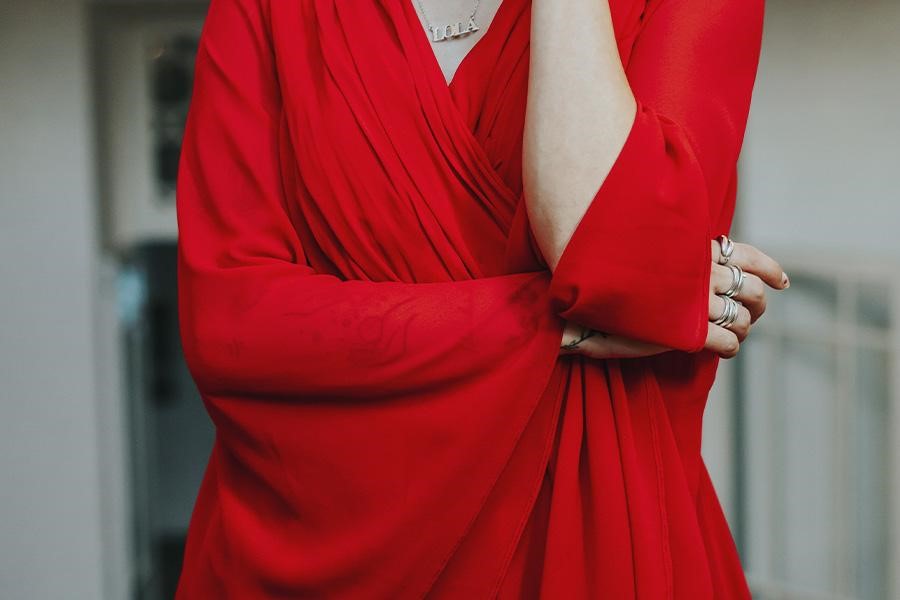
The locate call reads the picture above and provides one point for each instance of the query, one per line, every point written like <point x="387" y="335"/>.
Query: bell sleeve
<point x="362" y="427"/>
<point x="639" y="262"/>
<point x="254" y="316"/>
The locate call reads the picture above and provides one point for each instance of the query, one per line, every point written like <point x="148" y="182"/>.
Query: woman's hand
<point x="760" y="270"/>
<point x="598" y="344"/>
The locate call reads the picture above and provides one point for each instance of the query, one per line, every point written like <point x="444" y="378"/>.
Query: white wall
<point x="822" y="154"/>
<point x="52" y="529"/>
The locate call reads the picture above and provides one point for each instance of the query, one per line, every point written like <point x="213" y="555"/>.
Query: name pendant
<point x="448" y="32"/>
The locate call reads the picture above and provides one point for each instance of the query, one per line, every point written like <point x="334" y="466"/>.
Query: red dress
<point x="376" y="338"/>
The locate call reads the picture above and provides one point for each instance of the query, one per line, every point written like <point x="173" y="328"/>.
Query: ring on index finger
<point x="737" y="281"/>
<point x="726" y="245"/>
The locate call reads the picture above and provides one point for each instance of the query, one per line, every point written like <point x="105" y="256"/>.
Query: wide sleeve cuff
<point x="638" y="263"/>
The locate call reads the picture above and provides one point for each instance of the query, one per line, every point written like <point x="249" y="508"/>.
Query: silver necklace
<point x="439" y="33"/>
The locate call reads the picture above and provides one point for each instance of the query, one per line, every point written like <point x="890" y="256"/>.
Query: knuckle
<point x="731" y="345"/>
<point x="759" y="294"/>
<point x="744" y="323"/>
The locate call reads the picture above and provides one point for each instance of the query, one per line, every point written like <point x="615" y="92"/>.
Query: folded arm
<point x="622" y="197"/>
<point x="254" y="317"/>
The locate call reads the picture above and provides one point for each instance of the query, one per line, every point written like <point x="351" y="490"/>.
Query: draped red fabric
<point x="376" y="338"/>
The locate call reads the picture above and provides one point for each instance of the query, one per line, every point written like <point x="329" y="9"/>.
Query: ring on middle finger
<point x="737" y="281"/>
<point x="729" y="314"/>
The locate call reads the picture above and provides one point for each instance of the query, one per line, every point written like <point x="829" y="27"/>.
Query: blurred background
<point x="103" y="439"/>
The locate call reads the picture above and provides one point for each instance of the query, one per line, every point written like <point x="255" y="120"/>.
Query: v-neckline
<point x="449" y="105"/>
<point x="432" y="60"/>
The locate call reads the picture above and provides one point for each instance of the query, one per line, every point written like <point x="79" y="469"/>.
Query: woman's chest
<point x="382" y="142"/>
<point x="366" y="75"/>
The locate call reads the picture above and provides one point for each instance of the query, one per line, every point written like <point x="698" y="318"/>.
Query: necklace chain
<point x="445" y="32"/>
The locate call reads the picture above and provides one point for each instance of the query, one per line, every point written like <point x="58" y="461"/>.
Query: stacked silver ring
<point x="737" y="281"/>
<point x="727" y="247"/>
<point x="730" y="314"/>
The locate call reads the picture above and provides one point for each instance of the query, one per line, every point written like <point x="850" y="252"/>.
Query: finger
<point x="753" y="260"/>
<point x="720" y="278"/>
<point x="607" y="345"/>
<point x="716" y="307"/>
<point x="741" y="325"/>
<point x="722" y="341"/>
<point x="716" y="251"/>
<point x="752" y="294"/>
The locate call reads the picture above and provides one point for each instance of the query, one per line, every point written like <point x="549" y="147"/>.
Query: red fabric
<point x="377" y="341"/>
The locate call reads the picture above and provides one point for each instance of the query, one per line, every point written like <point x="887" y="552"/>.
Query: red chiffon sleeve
<point x="255" y="318"/>
<point x="639" y="262"/>
<point x="360" y="425"/>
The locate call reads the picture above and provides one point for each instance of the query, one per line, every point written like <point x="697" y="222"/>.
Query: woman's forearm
<point x="579" y="112"/>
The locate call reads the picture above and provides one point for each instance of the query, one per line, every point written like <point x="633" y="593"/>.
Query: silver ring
<point x="726" y="311"/>
<point x="727" y="247"/>
<point x="730" y="314"/>
<point x="737" y="281"/>
<point x="735" y="314"/>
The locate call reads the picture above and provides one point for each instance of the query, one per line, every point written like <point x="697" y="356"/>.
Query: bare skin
<point x="576" y="71"/>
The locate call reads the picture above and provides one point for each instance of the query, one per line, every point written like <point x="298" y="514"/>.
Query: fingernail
<point x="785" y="282"/>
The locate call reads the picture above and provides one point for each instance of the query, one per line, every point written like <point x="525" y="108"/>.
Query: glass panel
<point x="805" y="417"/>
<point x="869" y="479"/>
<point x="815" y="507"/>
<point x="757" y="400"/>
<point x="788" y="407"/>
<point x="873" y="306"/>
